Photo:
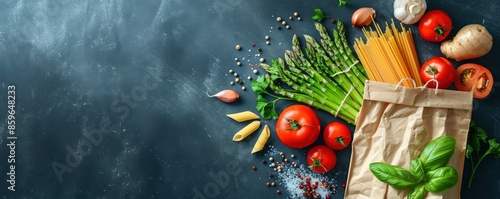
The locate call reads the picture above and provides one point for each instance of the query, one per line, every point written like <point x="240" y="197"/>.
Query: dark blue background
<point x="143" y="67"/>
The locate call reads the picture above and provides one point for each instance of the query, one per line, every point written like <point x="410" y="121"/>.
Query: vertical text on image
<point x="11" y="136"/>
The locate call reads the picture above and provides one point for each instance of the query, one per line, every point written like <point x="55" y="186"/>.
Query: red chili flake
<point x="251" y="65"/>
<point x="253" y="45"/>
<point x="333" y="20"/>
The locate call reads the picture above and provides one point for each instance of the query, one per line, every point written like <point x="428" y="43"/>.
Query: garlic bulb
<point x="409" y="11"/>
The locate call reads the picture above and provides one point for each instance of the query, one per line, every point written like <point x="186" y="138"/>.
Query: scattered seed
<point x="249" y="77"/>
<point x="273" y="184"/>
<point x="333" y="20"/>
<point x="267" y="42"/>
<point x="232" y="83"/>
<point x="236" y="74"/>
<point x="278" y="191"/>
<point x="253" y="45"/>
<point x="244" y="88"/>
<point x="293" y="156"/>
<point x="287" y="27"/>
<point x="291" y="18"/>
<point x="299" y="18"/>
<point x="236" y="59"/>
<point x="278" y="27"/>
<point x="238" y="47"/>
<point x="237" y="80"/>
<point x="296" y="14"/>
<point x="263" y="162"/>
<point x="270" y="175"/>
<point x="254" y="168"/>
<point x="271" y="159"/>
<point x="238" y="63"/>
<point x="258" y="49"/>
<point x="268" y="184"/>
<point x="286" y="160"/>
<point x="283" y="22"/>
<point x="267" y="37"/>
<point x="278" y="19"/>
<point x="231" y="71"/>
<point x="255" y="71"/>
<point x="262" y="60"/>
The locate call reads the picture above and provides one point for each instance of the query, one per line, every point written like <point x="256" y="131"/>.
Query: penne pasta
<point x="246" y="131"/>
<point x="261" y="141"/>
<point x="243" y="116"/>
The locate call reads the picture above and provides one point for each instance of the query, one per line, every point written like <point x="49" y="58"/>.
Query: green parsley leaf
<point x="344" y="3"/>
<point x="318" y="15"/>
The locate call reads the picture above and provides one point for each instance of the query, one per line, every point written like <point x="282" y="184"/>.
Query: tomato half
<point x="321" y="159"/>
<point x="440" y="69"/>
<point x="298" y="126"/>
<point x="475" y="78"/>
<point x="435" y="26"/>
<point x="337" y="136"/>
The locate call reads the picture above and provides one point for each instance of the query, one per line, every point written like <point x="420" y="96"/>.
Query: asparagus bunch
<point x="325" y="75"/>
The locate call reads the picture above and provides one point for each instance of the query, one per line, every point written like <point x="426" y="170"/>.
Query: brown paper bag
<point x="393" y="126"/>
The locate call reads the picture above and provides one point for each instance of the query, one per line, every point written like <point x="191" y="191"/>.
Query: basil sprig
<point x="428" y="172"/>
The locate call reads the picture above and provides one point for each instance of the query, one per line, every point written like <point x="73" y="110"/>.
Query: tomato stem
<point x="340" y="140"/>
<point x="317" y="163"/>
<point x="440" y="31"/>
<point x="294" y="125"/>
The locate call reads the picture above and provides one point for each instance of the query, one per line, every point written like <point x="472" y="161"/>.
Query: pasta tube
<point x="243" y="116"/>
<point x="261" y="142"/>
<point x="246" y="131"/>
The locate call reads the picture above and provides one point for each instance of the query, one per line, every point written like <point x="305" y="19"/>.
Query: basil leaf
<point x="417" y="169"/>
<point x="417" y="193"/>
<point x="395" y="176"/>
<point x="438" y="152"/>
<point x="441" y="179"/>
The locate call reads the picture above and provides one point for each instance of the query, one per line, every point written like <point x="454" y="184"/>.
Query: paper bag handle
<point x="401" y="81"/>
<point x="432" y="80"/>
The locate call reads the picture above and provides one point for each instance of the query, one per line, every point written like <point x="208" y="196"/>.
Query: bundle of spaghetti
<point x="389" y="56"/>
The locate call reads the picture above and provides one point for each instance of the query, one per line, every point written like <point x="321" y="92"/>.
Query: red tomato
<point x="337" y="136"/>
<point x="321" y="159"/>
<point x="298" y="126"/>
<point x="475" y="78"/>
<point x="440" y="69"/>
<point x="435" y="26"/>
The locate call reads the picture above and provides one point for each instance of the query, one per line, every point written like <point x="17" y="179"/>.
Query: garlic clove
<point x="363" y="17"/>
<point x="227" y="96"/>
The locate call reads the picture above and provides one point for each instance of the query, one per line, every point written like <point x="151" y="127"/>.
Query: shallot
<point x="363" y="17"/>
<point x="227" y="96"/>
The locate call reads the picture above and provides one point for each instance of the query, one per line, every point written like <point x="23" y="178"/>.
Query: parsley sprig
<point x="477" y="138"/>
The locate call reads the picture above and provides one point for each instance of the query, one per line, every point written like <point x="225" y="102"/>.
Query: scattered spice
<point x="243" y="88"/>
<point x="236" y="59"/>
<point x="278" y="191"/>
<point x="238" y="63"/>
<point x="267" y="42"/>
<point x="283" y="22"/>
<point x="238" y="47"/>
<point x="261" y="60"/>
<point x="232" y="83"/>
<point x="278" y="27"/>
<point x="253" y="45"/>
<point x="291" y="18"/>
<point x="296" y="14"/>
<point x="287" y="27"/>
<point x="255" y="71"/>
<point x="249" y="77"/>
<point x="299" y="18"/>
<point x="254" y="168"/>
<point x="267" y="37"/>
<point x="278" y="19"/>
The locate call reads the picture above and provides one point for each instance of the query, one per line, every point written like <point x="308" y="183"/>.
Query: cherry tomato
<point x="475" y="78"/>
<point x="298" y="126"/>
<point x="337" y="136"/>
<point x="321" y="159"/>
<point x="435" y="26"/>
<point x="440" y="69"/>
